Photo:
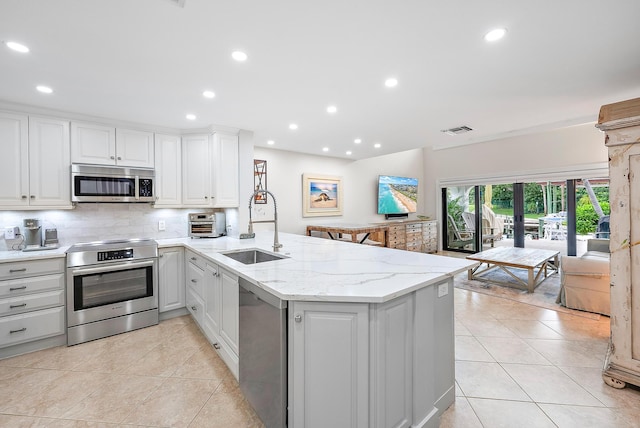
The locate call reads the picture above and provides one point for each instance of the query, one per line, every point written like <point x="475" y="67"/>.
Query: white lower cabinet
<point x="328" y="365"/>
<point x="372" y="365"/>
<point x="31" y="305"/>
<point x="216" y="289"/>
<point x="171" y="289"/>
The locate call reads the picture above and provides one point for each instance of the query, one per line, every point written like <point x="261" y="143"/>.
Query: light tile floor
<point x="517" y="365"/>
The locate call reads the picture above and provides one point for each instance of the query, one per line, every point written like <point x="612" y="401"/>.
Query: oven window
<point x="104" y="186"/>
<point x="112" y="287"/>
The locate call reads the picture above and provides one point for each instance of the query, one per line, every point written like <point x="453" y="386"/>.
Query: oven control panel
<point x="104" y="256"/>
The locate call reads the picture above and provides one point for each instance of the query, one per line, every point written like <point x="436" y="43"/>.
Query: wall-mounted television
<point x="397" y="196"/>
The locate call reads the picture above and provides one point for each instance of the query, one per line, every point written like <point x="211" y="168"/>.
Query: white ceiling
<point x="149" y="61"/>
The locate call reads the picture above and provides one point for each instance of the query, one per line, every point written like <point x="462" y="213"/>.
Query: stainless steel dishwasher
<point x="263" y="353"/>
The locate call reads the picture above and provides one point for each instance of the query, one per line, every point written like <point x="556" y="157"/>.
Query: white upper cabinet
<point x="14" y="174"/>
<point x="134" y="148"/>
<point x="104" y="145"/>
<point x="39" y="175"/>
<point x="210" y="170"/>
<point x="195" y="170"/>
<point x="225" y="161"/>
<point x="49" y="162"/>
<point x="168" y="158"/>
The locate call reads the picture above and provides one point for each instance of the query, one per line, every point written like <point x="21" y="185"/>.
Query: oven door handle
<point x="111" y="268"/>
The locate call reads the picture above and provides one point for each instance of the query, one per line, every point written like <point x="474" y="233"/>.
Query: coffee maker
<point x="32" y="234"/>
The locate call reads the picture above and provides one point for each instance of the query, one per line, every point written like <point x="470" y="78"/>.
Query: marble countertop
<point x="318" y="269"/>
<point x="315" y="269"/>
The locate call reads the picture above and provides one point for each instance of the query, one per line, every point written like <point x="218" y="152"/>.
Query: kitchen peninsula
<point x="370" y="330"/>
<point x="369" y="339"/>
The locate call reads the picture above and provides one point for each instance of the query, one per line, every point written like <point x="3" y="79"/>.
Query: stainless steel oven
<point x="112" y="287"/>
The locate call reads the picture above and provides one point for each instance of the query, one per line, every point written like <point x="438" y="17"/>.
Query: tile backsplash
<point x="102" y="221"/>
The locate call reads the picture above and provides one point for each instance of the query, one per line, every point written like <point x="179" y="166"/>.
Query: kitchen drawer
<point x="31" y="302"/>
<point x="194" y="258"/>
<point x="22" y="269"/>
<point x="398" y="228"/>
<point x="195" y="279"/>
<point x="18" y="287"/>
<point x="195" y="305"/>
<point x="31" y="326"/>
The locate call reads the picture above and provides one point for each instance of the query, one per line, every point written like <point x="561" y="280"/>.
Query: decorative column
<point x="621" y="123"/>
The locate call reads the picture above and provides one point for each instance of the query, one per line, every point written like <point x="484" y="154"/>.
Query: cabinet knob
<point x="194" y="308"/>
<point x="119" y="158"/>
<point x="112" y="157"/>
<point x="193" y="258"/>
<point x="32" y="196"/>
<point x="298" y="318"/>
<point x="206" y="197"/>
<point x="24" y="196"/>
<point x="216" y="346"/>
<point x="194" y="280"/>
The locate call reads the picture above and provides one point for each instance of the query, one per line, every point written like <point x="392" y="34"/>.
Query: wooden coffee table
<point x="536" y="262"/>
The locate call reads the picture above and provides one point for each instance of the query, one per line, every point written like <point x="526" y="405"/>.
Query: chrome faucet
<point x="276" y="244"/>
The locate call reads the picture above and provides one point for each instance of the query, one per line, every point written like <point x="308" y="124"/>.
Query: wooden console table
<point x="335" y="231"/>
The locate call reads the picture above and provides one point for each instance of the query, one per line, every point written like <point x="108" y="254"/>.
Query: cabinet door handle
<point x="18" y="330"/>
<point x="194" y="308"/>
<point x="298" y="318"/>
<point x="24" y="287"/>
<point x="216" y="346"/>
<point x="17" y="270"/>
<point x="17" y="306"/>
<point x="24" y="196"/>
<point x="194" y="280"/>
<point x="194" y="259"/>
<point x="32" y="196"/>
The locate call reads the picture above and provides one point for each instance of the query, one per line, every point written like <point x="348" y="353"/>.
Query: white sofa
<point x="585" y="283"/>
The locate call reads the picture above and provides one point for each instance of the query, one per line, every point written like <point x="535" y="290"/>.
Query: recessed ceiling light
<point x="18" y="47"/>
<point x="325" y="149"/>
<point x="495" y="34"/>
<point x="239" y="56"/>
<point x="332" y="109"/>
<point x="391" y="82"/>
<point x="271" y="142"/>
<point x="208" y="94"/>
<point x="377" y="145"/>
<point x="293" y="126"/>
<point x="191" y="116"/>
<point x="348" y="152"/>
<point x="44" y="89"/>
<point x="357" y="141"/>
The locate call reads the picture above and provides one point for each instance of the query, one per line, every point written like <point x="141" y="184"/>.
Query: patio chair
<point x="456" y="237"/>
<point x="489" y="233"/>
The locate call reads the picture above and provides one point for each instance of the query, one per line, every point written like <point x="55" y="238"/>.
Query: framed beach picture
<point x="321" y="195"/>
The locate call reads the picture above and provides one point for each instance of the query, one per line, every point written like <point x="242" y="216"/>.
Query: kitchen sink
<point x="253" y="256"/>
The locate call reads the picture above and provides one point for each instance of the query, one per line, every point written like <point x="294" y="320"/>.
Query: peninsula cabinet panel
<point x="392" y="363"/>
<point x="328" y="365"/>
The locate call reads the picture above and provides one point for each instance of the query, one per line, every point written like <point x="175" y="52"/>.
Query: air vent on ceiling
<point x="178" y="2"/>
<point x="457" y="130"/>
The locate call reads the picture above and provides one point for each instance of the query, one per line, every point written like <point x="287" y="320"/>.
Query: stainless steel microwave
<point x="96" y="183"/>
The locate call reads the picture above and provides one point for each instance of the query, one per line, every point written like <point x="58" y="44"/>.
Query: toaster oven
<point x="206" y="225"/>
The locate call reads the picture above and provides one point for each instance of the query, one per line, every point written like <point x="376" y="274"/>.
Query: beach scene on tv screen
<point x="397" y="195"/>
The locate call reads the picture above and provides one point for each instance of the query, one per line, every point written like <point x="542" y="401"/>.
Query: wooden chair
<point x="456" y="237"/>
<point x="489" y="233"/>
